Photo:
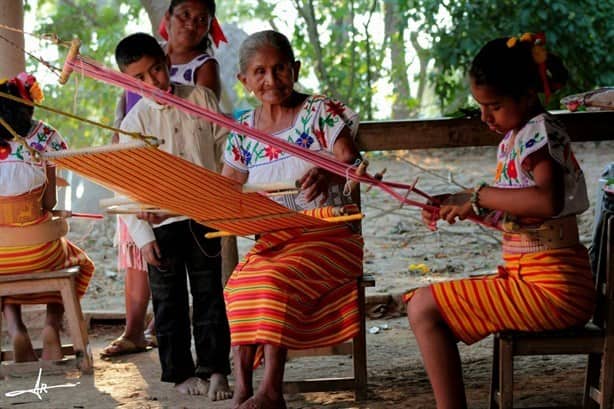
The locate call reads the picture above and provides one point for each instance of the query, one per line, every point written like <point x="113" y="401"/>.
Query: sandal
<point x="122" y="346"/>
<point x="150" y="338"/>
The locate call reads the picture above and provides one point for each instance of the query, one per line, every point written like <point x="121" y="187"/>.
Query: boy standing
<point x="176" y="245"/>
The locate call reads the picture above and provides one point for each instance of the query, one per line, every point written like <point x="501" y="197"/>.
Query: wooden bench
<point x="62" y="281"/>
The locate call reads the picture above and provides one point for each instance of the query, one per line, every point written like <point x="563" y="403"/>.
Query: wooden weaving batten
<point x="270" y="187"/>
<point x="334" y="219"/>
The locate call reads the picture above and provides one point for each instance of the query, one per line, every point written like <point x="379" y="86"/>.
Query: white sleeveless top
<point x="184" y="73"/>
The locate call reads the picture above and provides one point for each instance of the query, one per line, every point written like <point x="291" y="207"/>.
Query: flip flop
<point x="122" y="346"/>
<point x="150" y="338"/>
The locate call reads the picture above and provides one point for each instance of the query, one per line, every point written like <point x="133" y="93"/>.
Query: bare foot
<point x="192" y="386"/>
<point x="218" y="387"/>
<point x="238" y="399"/>
<point x="240" y="395"/>
<point x="260" y="401"/>
<point x="22" y="348"/>
<point x="52" y="345"/>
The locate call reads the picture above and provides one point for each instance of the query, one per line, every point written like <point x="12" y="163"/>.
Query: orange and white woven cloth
<point x="49" y="256"/>
<point x="539" y="291"/>
<point x="297" y="289"/>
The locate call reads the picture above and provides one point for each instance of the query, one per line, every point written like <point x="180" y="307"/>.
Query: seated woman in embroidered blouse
<point x="296" y="288"/>
<point x="30" y="239"/>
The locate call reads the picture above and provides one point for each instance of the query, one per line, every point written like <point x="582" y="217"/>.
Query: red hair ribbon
<point x="217" y="35"/>
<point x="24" y="82"/>
<point x="27" y="87"/>
<point x="215" y="32"/>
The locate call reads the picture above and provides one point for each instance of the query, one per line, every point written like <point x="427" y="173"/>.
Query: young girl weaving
<point x="545" y="282"/>
<point x="30" y="239"/>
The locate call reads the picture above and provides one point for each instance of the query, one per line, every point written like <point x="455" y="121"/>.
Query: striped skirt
<point x="540" y="291"/>
<point x="53" y="255"/>
<point x="297" y="289"/>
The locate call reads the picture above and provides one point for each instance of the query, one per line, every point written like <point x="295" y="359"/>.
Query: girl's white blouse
<point x="19" y="172"/>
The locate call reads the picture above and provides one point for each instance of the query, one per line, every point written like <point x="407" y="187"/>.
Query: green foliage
<point x="99" y="25"/>
<point x="332" y="38"/>
<point x="580" y="32"/>
<point x="339" y="43"/>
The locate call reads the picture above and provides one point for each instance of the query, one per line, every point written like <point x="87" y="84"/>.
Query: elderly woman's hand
<point x="315" y="182"/>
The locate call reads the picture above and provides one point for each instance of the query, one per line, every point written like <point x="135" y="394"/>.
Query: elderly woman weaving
<point x="296" y="288"/>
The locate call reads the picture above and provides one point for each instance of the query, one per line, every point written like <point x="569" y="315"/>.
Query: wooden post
<point x="12" y="60"/>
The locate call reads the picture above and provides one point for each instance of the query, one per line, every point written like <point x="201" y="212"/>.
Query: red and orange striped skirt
<point x="540" y="291"/>
<point x="297" y="289"/>
<point x="53" y="255"/>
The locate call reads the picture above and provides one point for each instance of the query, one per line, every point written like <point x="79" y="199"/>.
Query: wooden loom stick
<point x="334" y="219"/>
<point x="270" y="187"/>
<point x="72" y="54"/>
<point x="361" y="169"/>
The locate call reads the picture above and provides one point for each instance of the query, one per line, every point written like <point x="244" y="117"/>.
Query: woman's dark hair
<point x="268" y="38"/>
<point x="512" y="71"/>
<point x="136" y="46"/>
<point x="205" y="44"/>
<point x="16" y="114"/>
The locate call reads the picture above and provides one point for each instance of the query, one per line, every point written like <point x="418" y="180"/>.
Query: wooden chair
<point x="62" y="281"/>
<point x="596" y="340"/>
<point x="357" y="347"/>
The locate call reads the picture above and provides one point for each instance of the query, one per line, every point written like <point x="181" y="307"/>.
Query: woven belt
<point x="18" y="236"/>
<point x="21" y="209"/>
<point x="552" y="234"/>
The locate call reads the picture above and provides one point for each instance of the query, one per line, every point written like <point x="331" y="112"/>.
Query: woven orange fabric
<point x="53" y="255"/>
<point x="297" y="289"/>
<point x="149" y="175"/>
<point x="540" y="291"/>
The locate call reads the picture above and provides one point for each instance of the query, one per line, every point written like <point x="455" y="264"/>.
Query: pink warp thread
<point x="97" y="71"/>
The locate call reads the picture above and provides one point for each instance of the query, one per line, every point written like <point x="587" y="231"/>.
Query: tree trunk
<point x="155" y="10"/>
<point x="12" y="58"/>
<point x="395" y="26"/>
<point x="307" y="12"/>
<point x="424" y="57"/>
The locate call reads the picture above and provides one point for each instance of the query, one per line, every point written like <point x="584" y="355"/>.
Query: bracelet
<point x="475" y="200"/>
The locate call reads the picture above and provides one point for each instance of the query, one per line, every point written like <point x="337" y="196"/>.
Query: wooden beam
<point x="457" y="132"/>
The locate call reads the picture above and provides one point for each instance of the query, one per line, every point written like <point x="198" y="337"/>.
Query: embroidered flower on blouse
<point x="511" y="170"/>
<point x="37" y="146"/>
<point x="498" y="171"/>
<point x="236" y="152"/>
<point x="5" y="150"/>
<point x="271" y="152"/>
<point x="305" y="140"/>
<point x="319" y="133"/>
<point x="246" y="156"/>
<point x="335" y="107"/>
<point x="58" y="146"/>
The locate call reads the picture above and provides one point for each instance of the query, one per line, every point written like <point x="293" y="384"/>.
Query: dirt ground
<point x="399" y="252"/>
